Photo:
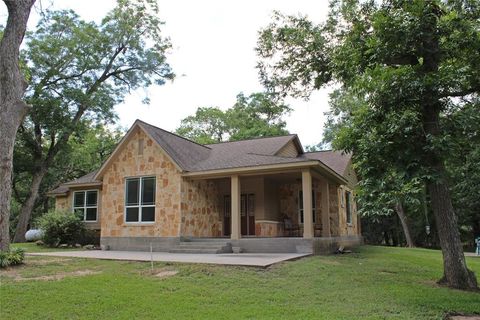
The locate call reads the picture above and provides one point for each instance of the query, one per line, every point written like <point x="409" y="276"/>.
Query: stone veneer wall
<point x="62" y="203"/>
<point x="289" y="201"/>
<point x="338" y="225"/>
<point x="129" y="162"/>
<point x="334" y="212"/>
<point x="201" y="214"/>
<point x="269" y="229"/>
<point x="345" y="229"/>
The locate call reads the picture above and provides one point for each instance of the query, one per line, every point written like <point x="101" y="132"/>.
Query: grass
<point x="374" y="283"/>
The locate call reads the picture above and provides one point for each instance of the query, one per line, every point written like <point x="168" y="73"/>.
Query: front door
<point x="247" y="214"/>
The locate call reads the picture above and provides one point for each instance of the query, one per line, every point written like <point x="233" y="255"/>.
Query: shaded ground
<point x="374" y="283"/>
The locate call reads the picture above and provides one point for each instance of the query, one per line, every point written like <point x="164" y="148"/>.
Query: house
<point x="261" y="195"/>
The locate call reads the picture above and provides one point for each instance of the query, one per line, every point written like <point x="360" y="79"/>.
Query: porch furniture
<point x="291" y="229"/>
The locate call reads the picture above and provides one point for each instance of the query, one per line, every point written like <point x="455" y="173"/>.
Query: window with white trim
<point x="85" y="204"/>
<point x="300" y="206"/>
<point x="140" y="199"/>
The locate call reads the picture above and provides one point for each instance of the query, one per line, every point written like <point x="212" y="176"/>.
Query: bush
<point x="12" y="258"/>
<point x="61" y="227"/>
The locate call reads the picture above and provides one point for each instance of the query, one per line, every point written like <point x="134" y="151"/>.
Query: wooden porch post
<point x="307" y="204"/>
<point x="235" y="194"/>
<point x="325" y="209"/>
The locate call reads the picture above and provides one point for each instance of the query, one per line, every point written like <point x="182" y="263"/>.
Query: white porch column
<point x="325" y="209"/>
<point x="307" y="204"/>
<point x="235" y="196"/>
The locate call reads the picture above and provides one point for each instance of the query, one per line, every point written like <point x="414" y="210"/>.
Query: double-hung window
<point x="140" y="199"/>
<point x="300" y="205"/>
<point x="85" y="204"/>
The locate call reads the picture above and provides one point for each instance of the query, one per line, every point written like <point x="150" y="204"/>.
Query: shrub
<point x="12" y="258"/>
<point x="61" y="227"/>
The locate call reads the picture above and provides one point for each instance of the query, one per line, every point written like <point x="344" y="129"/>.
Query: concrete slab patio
<point x="240" y="259"/>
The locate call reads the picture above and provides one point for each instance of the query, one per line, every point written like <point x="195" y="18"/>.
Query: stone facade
<point x="201" y="209"/>
<point x="269" y="229"/>
<point x="62" y="203"/>
<point x="289" y="202"/>
<point x="140" y="156"/>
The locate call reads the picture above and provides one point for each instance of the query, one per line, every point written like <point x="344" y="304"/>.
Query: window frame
<point x="140" y="206"/>
<point x="85" y="207"/>
<point x="348" y="207"/>
<point x="300" y="210"/>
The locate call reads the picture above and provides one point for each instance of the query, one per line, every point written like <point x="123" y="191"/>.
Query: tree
<point x="85" y="151"/>
<point x="463" y="133"/>
<point x="258" y="115"/>
<point x="12" y="107"/>
<point x="406" y="62"/>
<point x="79" y="72"/>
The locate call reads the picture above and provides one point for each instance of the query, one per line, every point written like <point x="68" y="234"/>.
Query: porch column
<point x="325" y="209"/>
<point x="307" y="204"/>
<point x="235" y="195"/>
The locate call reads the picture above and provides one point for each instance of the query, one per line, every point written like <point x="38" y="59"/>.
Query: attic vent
<point x="140" y="147"/>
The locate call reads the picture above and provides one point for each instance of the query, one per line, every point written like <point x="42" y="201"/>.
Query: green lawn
<point x="374" y="283"/>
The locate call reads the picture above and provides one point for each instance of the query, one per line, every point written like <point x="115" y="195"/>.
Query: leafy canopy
<point x="257" y="115"/>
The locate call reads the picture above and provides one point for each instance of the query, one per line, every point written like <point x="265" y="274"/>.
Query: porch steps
<point x="212" y="246"/>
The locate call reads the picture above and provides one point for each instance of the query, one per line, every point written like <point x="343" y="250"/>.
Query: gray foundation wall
<point x="315" y="246"/>
<point x="159" y="244"/>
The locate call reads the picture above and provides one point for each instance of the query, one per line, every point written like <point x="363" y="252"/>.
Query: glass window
<point x="140" y="199"/>
<point x="300" y="205"/>
<point x="85" y="204"/>
<point x="348" y="204"/>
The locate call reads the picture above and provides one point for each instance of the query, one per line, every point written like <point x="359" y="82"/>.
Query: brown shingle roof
<point x="86" y="179"/>
<point x="337" y="160"/>
<point x="191" y="156"/>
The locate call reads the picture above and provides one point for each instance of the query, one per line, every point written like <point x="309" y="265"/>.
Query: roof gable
<point x="337" y="160"/>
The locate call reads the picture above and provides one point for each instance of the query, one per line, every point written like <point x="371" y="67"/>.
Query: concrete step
<point x="189" y="250"/>
<point x="210" y="246"/>
<point x="189" y="240"/>
<point x="205" y="244"/>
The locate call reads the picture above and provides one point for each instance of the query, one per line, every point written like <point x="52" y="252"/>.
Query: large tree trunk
<point x="27" y="207"/>
<point x="404" y="223"/>
<point x="12" y="108"/>
<point x="456" y="273"/>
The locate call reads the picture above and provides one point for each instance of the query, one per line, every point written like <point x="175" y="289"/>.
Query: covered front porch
<point x="300" y="203"/>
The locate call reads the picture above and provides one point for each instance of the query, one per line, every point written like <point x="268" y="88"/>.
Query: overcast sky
<point x="213" y="56"/>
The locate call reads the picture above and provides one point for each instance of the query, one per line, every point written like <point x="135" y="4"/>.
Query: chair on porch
<point x="291" y="229"/>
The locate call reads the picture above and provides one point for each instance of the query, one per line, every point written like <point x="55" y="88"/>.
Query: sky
<point x="213" y="57"/>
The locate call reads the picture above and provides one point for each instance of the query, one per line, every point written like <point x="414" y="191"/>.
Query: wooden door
<point x="247" y="214"/>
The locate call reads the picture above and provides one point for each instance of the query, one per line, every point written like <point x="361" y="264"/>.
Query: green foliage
<point x="78" y="72"/>
<point x="85" y="151"/>
<point x="61" y="228"/>
<point x="379" y="55"/>
<point x="11" y="258"/>
<point x="258" y="115"/>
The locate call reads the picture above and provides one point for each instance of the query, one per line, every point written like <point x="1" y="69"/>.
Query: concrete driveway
<point x="234" y="259"/>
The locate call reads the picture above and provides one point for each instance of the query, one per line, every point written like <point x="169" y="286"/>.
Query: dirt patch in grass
<point x="166" y="274"/>
<point x="58" y="276"/>
<point x="161" y="273"/>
